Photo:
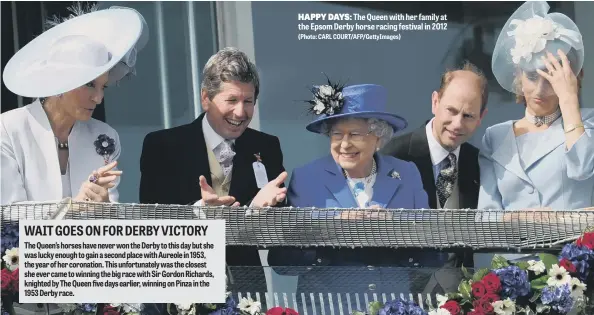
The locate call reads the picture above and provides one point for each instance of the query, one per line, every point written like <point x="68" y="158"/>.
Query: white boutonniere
<point x="258" y="157"/>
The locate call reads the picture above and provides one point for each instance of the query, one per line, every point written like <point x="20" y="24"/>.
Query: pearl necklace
<point x="367" y="178"/>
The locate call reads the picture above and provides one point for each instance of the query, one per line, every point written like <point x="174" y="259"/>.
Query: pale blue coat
<point x="555" y="177"/>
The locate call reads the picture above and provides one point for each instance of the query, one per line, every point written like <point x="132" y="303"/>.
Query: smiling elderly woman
<point x="355" y="175"/>
<point x="360" y="181"/>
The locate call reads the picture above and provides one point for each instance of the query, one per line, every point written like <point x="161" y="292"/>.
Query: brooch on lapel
<point x="105" y="146"/>
<point x="395" y="174"/>
<point x="258" y="157"/>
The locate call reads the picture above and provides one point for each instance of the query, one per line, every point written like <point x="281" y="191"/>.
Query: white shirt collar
<point x="437" y="152"/>
<point x="212" y="138"/>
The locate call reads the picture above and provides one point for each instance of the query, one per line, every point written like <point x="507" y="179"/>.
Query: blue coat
<point x="553" y="176"/>
<point x="322" y="184"/>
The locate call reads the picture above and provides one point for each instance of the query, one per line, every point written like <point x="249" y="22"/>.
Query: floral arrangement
<point x="553" y="285"/>
<point x="105" y="309"/>
<point x="328" y="99"/>
<point x="395" y="307"/>
<point x="10" y="267"/>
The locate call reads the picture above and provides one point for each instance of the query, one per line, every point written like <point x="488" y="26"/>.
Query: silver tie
<point x="225" y="154"/>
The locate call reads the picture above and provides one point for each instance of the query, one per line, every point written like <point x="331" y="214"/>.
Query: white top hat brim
<point x="27" y="75"/>
<point x="144" y="36"/>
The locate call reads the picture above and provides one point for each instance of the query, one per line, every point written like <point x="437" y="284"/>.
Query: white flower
<point x="249" y="306"/>
<point x="531" y="36"/>
<point x="67" y="307"/>
<point x="505" y="307"/>
<point x="537" y="266"/>
<point x="577" y="288"/>
<point x="185" y="308"/>
<point x="319" y="108"/>
<point x="541" y="308"/>
<point x="11" y="258"/>
<point x="440" y="311"/>
<point x="558" y="276"/>
<point x="441" y="299"/>
<point x="132" y="308"/>
<point x="334" y="103"/>
<point x="325" y="90"/>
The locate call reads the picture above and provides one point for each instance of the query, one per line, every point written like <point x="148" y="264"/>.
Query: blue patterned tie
<point x="446" y="179"/>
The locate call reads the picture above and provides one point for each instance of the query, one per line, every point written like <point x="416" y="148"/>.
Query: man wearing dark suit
<point x="211" y="160"/>
<point x="448" y="165"/>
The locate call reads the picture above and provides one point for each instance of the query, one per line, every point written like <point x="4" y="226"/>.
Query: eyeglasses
<point x="354" y="136"/>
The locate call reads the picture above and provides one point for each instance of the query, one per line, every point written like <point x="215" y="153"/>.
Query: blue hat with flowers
<point x="358" y="101"/>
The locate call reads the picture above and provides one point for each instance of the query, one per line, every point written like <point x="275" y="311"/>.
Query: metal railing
<point x="310" y="227"/>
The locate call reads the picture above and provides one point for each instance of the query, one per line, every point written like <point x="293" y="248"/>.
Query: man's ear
<point x="483" y="115"/>
<point x="204" y="100"/>
<point x="434" y="102"/>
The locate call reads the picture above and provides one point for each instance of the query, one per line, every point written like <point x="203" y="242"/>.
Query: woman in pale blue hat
<point x="544" y="159"/>
<point x="356" y="177"/>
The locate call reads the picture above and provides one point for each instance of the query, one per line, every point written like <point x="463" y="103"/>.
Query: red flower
<point x="568" y="265"/>
<point x="281" y="311"/>
<point x="453" y="307"/>
<point x="15" y="280"/>
<point x="478" y="289"/>
<point x="6" y="281"/>
<point x="476" y="312"/>
<point x="110" y="310"/>
<point x="587" y="240"/>
<point x="491" y="297"/>
<point x="492" y="283"/>
<point x="483" y="306"/>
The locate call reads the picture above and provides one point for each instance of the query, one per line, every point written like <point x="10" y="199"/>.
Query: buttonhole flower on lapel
<point x="105" y="146"/>
<point x="258" y="157"/>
